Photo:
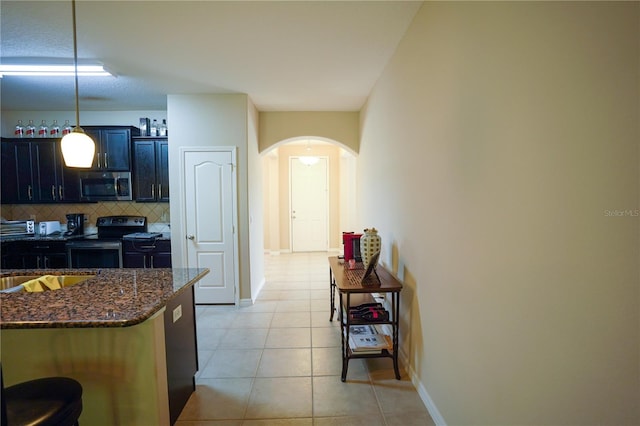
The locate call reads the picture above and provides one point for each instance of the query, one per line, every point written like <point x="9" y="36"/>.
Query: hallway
<point x="278" y="361"/>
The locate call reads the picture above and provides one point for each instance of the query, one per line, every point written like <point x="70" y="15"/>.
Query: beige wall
<point x="256" y="210"/>
<point x="276" y="127"/>
<point x="511" y="211"/>
<point x="210" y="120"/>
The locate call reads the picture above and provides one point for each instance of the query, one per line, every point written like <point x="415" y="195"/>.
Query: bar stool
<point x="49" y="401"/>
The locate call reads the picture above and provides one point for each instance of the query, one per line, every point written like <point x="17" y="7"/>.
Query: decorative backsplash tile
<point x="154" y="212"/>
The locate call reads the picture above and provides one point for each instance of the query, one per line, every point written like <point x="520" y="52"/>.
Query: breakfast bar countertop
<point x="108" y="298"/>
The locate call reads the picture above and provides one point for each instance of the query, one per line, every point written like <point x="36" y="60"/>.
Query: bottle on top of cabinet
<point x="30" y="130"/>
<point x="19" y="132"/>
<point x="154" y="127"/>
<point x="162" y="130"/>
<point x="66" y="129"/>
<point x="43" y="131"/>
<point x="54" y="131"/>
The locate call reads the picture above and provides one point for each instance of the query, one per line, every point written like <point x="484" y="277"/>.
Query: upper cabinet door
<point x="113" y="148"/>
<point x="116" y="144"/>
<point x="162" y="170"/>
<point x="144" y="170"/>
<point x="8" y="183"/>
<point x="151" y="170"/>
<point x="46" y="170"/>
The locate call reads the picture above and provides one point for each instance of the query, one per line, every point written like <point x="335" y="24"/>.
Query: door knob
<point x="190" y="237"/>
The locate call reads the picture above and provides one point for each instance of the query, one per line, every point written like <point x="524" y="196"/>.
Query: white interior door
<point x="309" y="205"/>
<point x="210" y="206"/>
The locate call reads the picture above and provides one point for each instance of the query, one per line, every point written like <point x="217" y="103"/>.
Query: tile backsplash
<point x="154" y="212"/>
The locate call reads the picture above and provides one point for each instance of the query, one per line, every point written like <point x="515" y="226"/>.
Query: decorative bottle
<point x="370" y="244"/>
<point x="43" y="131"/>
<point x="163" y="128"/>
<point x="67" y="128"/>
<point x="19" y="132"/>
<point x="154" y="127"/>
<point x="54" y="132"/>
<point x="30" y="130"/>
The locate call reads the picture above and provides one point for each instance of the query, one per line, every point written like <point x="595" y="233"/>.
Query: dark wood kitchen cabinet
<point x="151" y="169"/>
<point x="113" y="147"/>
<point x="143" y="254"/>
<point x="34" y="255"/>
<point x="33" y="171"/>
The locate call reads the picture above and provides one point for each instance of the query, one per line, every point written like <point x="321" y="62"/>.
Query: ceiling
<point x="286" y="55"/>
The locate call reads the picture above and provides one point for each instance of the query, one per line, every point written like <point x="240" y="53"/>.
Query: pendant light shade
<point x="77" y="147"/>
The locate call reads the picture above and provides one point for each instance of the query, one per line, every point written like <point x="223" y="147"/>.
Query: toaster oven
<point x="17" y="227"/>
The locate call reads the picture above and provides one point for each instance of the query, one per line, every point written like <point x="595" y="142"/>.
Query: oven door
<point x="95" y="254"/>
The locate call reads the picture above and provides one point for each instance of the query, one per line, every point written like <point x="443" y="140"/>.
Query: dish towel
<point x="41" y="284"/>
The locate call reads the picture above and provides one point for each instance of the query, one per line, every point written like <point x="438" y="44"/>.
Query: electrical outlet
<point x="177" y="313"/>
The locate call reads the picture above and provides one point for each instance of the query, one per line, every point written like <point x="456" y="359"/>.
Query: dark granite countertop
<point x="62" y="237"/>
<point x="112" y="298"/>
<point x="52" y="237"/>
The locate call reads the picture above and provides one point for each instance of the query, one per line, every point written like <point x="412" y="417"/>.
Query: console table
<point x="355" y="292"/>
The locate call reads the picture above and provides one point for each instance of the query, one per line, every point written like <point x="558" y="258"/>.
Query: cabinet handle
<point x="153" y="190"/>
<point x="106" y="164"/>
<point x="38" y="262"/>
<point x="53" y="192"/>
<point x="151" y="262"/>
<point x="98" y="162"/>
<point x="30" y="192"/>
<point x="46" y="262"/>
<point x="60" y="192"/>
<point x="159" y="191"/>
<point x="190" y="237"/>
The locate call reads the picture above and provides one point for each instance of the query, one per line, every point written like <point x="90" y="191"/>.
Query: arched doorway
<point x="282" y="226"/>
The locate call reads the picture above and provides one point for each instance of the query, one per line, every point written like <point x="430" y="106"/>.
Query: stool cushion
<point x="48" y="401"/>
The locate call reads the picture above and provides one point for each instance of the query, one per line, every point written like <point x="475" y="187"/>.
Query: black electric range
<point x="104" y="249"/>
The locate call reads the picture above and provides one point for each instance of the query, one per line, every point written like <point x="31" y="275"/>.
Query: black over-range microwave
<point x="105" y="186"/>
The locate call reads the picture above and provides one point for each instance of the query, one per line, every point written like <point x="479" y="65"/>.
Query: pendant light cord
<point x="75" y="60"/>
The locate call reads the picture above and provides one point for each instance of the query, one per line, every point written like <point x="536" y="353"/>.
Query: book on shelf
<point x="362" y="330"/>
<point x="360" y="343"/>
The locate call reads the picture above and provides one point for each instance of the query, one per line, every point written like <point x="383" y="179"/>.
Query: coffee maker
<point x="75" y="224"/>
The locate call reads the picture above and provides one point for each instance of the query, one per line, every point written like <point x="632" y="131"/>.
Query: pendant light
<point x="78" y="148"/>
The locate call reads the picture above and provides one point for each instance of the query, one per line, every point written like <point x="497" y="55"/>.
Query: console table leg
<point x="344" y="331"/>
<point x="332" y="290"/>
<point x="395" y="300"/>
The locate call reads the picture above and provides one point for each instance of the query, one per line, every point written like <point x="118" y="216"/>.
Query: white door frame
<point x="327" y="209"/>
<point x="183" y="209"/>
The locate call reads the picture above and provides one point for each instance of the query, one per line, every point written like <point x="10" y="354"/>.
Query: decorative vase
<point x="370" y="244"/>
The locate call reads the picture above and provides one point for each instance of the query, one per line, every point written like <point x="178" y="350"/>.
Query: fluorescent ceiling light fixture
<point x="53" y="70"/>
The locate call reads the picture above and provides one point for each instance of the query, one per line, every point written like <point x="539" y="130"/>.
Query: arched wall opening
<point x="276" y="160"/>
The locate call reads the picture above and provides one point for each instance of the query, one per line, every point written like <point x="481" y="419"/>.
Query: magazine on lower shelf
<point x="367" y="338"/>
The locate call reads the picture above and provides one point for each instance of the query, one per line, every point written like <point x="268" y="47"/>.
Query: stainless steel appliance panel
<point x="107" y="186"/>
<point x="95" y="254"/>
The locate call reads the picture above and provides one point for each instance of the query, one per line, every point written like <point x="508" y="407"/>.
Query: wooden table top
<point x="350" y="280"/>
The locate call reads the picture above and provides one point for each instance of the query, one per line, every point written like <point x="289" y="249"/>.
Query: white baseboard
<point x="253" y="299"/>
<point x="422" y="391"/>
<point x="245" y="303"/>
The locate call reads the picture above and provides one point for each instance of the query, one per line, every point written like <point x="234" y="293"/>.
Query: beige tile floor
<point x="278" y="362"/>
